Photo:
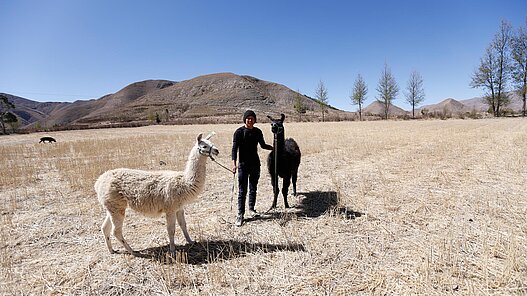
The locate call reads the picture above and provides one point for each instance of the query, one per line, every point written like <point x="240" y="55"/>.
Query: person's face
<point x="249" y="121"/>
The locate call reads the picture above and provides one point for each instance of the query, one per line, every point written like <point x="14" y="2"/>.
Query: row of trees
<point x="387" y="89"/>
<point x="503" y="68"/>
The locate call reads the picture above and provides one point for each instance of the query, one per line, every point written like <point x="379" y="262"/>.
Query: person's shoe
<point x="254" y="214"/>
<point x="239" y="221"/>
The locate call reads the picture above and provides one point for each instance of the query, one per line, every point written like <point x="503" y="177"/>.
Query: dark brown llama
<point x="286" y="163"/>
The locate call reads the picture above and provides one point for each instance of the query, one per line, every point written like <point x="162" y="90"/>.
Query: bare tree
<point x="388" y="89"/>
<point x="519" y="67"/>
<point x="485" y="77"/>
<point x="493" y="72"/>
<point x="321" y="94"/>
<point x="359" y="94"/>
<point x="415" y="93"/>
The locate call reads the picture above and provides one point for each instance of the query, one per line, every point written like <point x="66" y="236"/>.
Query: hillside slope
<point x="210" y="98"/>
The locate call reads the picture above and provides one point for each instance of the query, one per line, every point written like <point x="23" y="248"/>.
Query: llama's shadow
<point x="317" y="203"/>
<point x="265" y="216"/>
<point x="213" y="251"/>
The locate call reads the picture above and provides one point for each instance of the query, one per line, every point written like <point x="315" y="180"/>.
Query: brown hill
<point x="213" y="97"/>
<point x="29" y="112"/>
<point x="205" y="99"/>
<point x="109" y="106"/>
<point x="476" y="104"/>
<point x="377" y="108"/>
<point x="449" y="105"/>
<point x="93" y="110"/>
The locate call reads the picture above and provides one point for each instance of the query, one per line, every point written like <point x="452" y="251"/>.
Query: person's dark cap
<point x="249" y="113"/>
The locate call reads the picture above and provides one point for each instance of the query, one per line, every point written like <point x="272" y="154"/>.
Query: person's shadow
<point x="213" y="251"/>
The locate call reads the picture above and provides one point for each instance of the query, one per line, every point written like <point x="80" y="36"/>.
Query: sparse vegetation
<point x="6" y="117"/>
<point x="379" y="211"/>
<point x="299" y="105"/>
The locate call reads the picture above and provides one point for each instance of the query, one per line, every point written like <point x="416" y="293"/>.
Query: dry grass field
<point x="386" y="207"/>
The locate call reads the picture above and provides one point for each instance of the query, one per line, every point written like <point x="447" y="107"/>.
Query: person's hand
<point x="234" y="168"/>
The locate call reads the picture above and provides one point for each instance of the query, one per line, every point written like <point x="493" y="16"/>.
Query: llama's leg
<point x="106" y="228"/>
<point x="117" y="219"/>
<point x="285" y="189"/>
<point x="171" y="229"/>
<point x="183" y="224"/>
<point x="276" y="190"/>
<point x="294" y="175"/>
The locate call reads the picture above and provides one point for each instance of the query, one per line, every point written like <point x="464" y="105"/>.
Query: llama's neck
<point x="279" y="141"/>
<point x="195" y="169"/>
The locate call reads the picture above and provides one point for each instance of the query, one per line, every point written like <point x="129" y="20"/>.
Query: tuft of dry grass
<point x="410" y="207"/>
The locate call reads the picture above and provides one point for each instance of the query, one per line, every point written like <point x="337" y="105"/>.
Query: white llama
<point x="152" y="193"/>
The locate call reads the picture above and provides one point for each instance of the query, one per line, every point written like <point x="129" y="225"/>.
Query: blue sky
<point x="67" y="50"/>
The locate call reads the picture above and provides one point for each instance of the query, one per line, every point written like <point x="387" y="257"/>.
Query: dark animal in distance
<point x="47" y="139"/>
<point x="286" y="163"/>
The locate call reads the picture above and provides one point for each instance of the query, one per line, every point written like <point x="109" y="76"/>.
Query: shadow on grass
<point x="213" y="251"/>
<point x="317" y="203"/>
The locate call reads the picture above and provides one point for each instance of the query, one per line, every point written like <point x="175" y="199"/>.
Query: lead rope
<point x="232" y="188"/>
<point x="221" y="165"/>
<point x="233" y="176"/>
<point x="275" y="148"/>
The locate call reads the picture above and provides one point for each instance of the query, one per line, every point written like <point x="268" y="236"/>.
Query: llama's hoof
<point x="126" y="252"/>
<point x="131" y="252"/>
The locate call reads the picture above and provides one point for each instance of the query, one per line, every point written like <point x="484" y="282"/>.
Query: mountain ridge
<point x="211" y="98"/>
<point x="220" y="97"/>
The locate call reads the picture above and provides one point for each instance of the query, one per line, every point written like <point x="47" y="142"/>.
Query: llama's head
<point x="277" y="125"/>
<point x="206" y="147"/>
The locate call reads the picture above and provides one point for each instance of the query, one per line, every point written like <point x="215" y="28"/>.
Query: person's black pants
<point x="247" y="175"/>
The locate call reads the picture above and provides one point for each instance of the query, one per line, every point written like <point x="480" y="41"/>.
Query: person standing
<point x="245" y="141"/>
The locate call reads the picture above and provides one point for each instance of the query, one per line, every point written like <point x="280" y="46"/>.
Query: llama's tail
<point x="102" y="186"/>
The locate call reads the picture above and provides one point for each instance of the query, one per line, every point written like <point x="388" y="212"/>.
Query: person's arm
<point x="234" y="152"/>
<point x="234" y="167"/>
<point x="265" y="146"/>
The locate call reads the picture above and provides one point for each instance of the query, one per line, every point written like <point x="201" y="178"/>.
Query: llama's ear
<point x="199" y="137"/>
<point x="210" y="135"/>
<point x="282" y="117"/>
